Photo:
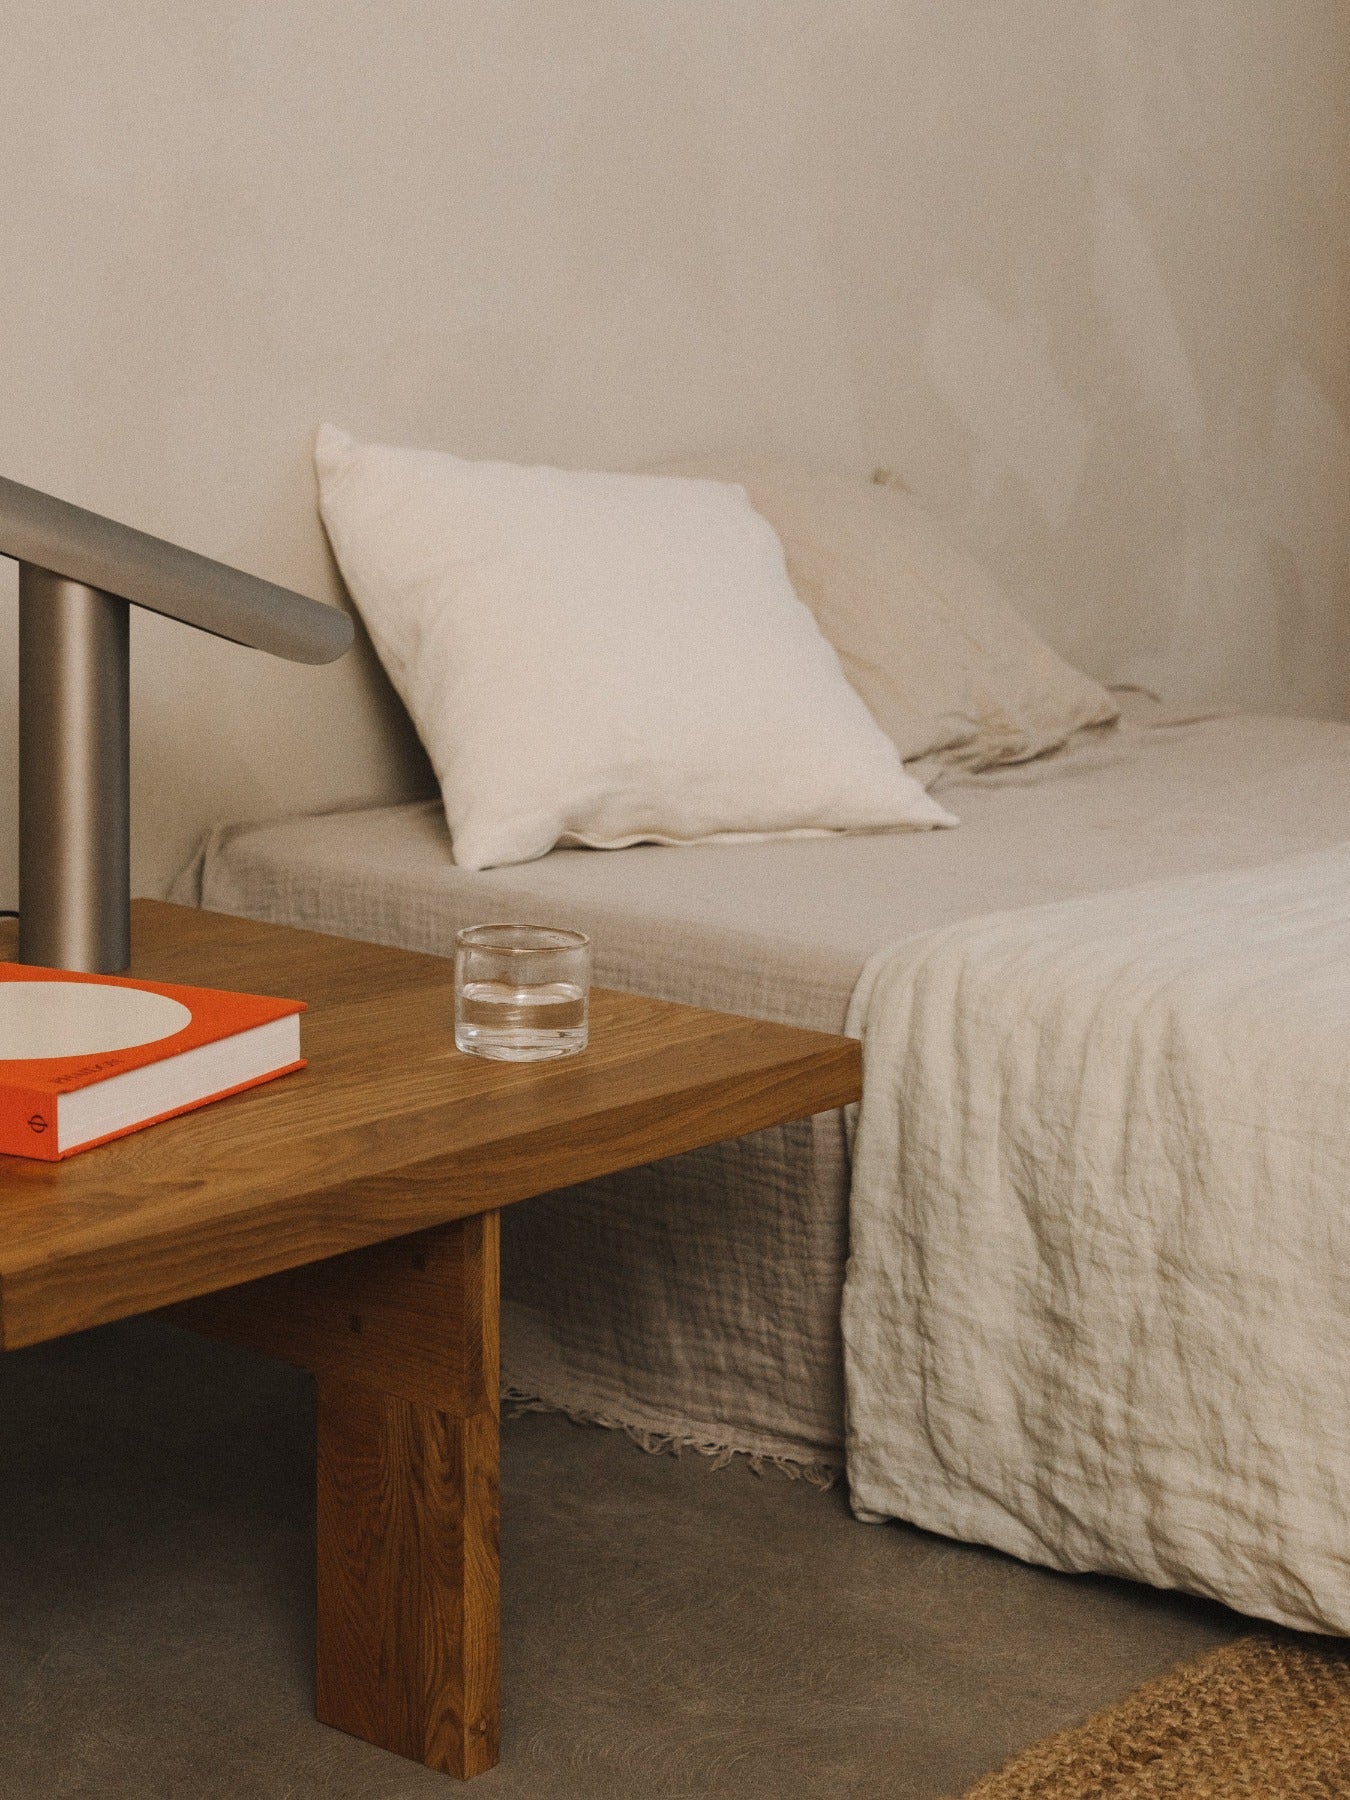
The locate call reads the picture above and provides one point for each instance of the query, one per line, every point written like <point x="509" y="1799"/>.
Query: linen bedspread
<point x="1097" y="1311"/>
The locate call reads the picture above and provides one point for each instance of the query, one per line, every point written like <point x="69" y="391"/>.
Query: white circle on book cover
<point x="82" y="1018"/>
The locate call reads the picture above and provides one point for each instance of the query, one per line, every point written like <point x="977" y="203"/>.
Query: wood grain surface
<point x="407" y="1582"/>
<point x="407" y="1645"/>
<point x="403" y="1338"/>
<point x="407" y="1316"/>
<point x="389" y="1131"/>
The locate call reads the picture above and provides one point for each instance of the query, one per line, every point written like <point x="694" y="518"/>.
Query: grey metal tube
<point x="83" y="546"/>
<point x="74" y="806"/>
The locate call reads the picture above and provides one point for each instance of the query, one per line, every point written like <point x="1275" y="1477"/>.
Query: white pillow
<point x="602" y="659"/>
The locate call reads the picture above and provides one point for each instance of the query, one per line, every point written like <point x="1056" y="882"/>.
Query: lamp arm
<point x="83" y="546"/>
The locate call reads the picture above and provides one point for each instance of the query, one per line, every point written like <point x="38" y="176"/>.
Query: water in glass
<point x="521" y="1024"/>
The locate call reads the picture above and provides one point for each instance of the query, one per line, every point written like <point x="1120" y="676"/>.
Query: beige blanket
<point x="1097" y="1310"/>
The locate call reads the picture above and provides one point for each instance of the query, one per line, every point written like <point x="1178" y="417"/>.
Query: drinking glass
<point x="522" y="992"/>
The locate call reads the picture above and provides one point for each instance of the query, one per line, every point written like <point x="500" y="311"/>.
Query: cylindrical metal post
<point x="74" y="751"/>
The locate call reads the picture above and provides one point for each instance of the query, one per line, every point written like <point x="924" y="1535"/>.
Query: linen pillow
<point x="950" y="670"/>
<point x="602" y="659"/>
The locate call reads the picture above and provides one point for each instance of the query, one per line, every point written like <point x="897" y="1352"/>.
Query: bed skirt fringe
<point x="817" y="1474"/>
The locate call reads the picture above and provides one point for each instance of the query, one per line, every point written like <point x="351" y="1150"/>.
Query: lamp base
<point x="74" y="780"/>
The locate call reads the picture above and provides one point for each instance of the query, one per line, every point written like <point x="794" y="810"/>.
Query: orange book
<point x="86" y="1058"/>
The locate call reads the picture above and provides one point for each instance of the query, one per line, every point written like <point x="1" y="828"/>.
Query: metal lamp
<point x="79" y="576"/>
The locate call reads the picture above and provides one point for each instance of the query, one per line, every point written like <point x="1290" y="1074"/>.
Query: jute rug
<point x="1265" y="1718"/>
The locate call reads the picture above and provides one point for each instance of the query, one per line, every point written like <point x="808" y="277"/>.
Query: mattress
<point x="698" y="1301"/>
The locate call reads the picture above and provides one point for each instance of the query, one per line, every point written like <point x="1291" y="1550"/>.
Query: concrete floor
<point x="669" y="1631"/>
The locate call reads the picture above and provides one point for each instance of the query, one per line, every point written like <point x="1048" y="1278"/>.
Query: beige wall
<point x="1077" y="268"/>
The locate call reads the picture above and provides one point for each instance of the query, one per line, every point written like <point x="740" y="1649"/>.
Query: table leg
<point x="403" y="1341"/>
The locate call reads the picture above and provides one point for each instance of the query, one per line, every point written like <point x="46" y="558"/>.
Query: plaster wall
<point x="1080" y="272"/>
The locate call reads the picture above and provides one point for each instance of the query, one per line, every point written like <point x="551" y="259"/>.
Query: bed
<point x="1067" y="1283"/>
<point x="698" y="1302"/>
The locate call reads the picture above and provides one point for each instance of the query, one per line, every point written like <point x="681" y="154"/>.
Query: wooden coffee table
<point x="346" y="1219"/>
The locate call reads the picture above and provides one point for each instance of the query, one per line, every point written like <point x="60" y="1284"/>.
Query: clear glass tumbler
<point x="522" y="992"/>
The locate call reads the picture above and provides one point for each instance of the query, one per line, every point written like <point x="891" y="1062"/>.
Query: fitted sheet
<point x="699" y="1299"/>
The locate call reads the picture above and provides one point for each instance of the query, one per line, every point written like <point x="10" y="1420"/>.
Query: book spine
<point x="28" y="1123"/>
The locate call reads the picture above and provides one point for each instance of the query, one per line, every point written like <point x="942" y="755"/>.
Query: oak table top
<point x="390" y="1129"/>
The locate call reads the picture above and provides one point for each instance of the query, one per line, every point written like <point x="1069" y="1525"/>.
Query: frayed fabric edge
<point x="817" y="1474"/>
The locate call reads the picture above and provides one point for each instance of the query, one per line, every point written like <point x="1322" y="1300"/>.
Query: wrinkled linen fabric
<point x="1096" y="1310"/>
<point x="699" y="1298"/>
